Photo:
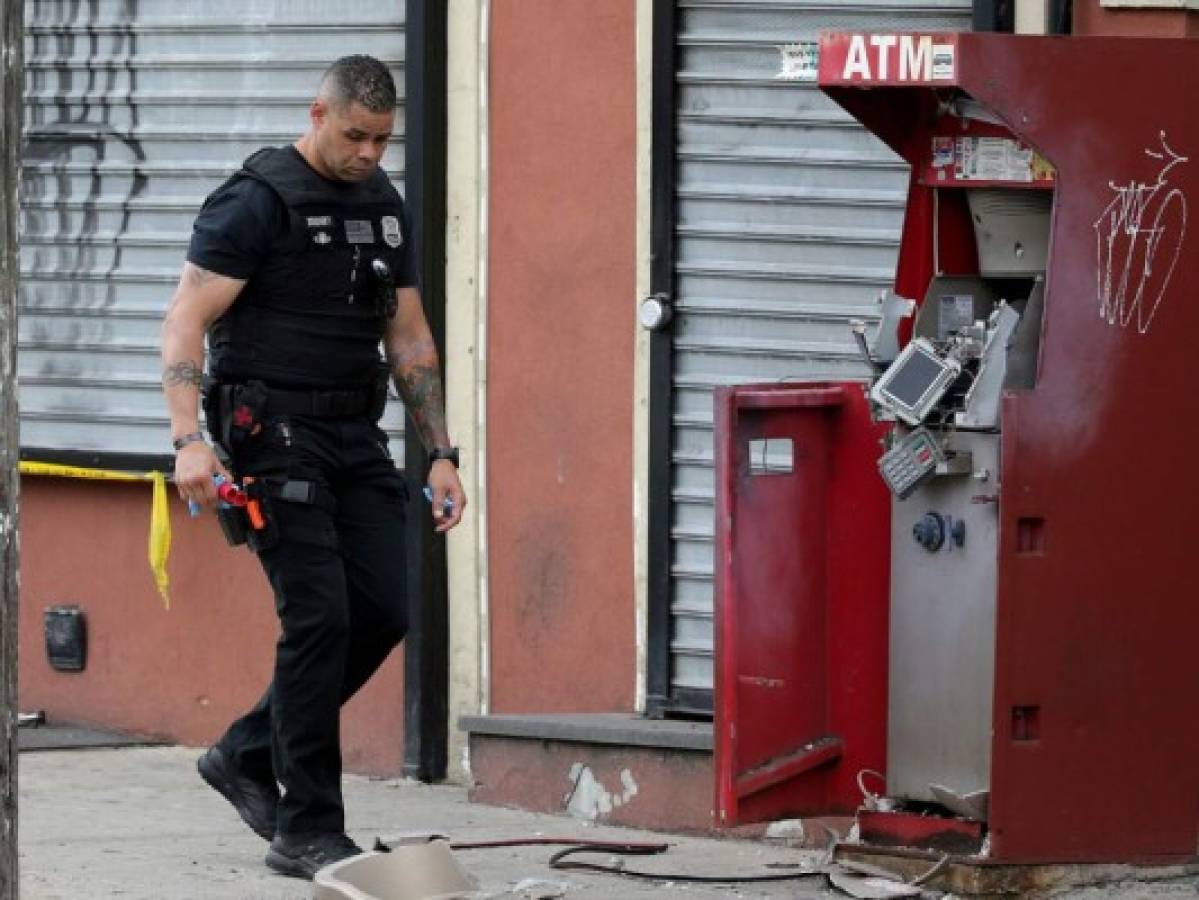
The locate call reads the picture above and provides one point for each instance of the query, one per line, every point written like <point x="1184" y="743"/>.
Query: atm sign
<point x="847" y="58"/>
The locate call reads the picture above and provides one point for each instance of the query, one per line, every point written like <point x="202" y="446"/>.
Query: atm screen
<point x="916" y="381"/>
<point x="913" y="378"/>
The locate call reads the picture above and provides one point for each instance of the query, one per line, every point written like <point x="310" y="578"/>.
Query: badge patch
<point x="321" y="237"/>
<point x="359" y="231"/>
<point x="320" y="221"/>
<point x="391" y="231"/>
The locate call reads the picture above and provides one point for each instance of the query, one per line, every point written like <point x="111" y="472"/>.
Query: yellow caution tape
<point x="160" y="519"/>
<point x="160" y="537"/>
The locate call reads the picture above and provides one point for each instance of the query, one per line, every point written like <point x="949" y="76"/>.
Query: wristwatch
<point x="192" y="437"/>
<point x="450" y="453"/>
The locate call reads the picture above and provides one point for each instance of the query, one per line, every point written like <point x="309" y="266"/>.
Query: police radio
<point x="385" y="285"/>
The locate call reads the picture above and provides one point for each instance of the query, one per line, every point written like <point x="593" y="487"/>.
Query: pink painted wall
<point x="560" y="355"/>
<point x="181" y="673"/>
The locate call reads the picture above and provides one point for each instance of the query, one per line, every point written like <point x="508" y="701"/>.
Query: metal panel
<point x="135" y="110"/>
<point x="787" y="225"/>
<point x="802" y="612"/>
<point x="942" y="634"/>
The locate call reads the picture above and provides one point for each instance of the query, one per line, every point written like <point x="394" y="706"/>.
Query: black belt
<point x="318" y="403"/>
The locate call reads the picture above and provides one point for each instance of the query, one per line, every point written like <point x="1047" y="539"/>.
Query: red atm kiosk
<point x="988" y="549"/>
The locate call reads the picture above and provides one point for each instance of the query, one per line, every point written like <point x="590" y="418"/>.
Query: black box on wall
<point x="66" y="638"/>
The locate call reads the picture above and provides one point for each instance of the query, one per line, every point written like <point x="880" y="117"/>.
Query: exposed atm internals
<point x="970" y="337"/>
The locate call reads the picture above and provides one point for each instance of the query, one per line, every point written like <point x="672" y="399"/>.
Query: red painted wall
<point x="182" y="673"/>
<point x="562" y="253"/>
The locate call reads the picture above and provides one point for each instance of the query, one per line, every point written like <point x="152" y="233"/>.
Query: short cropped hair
<point x="359" y="79"/>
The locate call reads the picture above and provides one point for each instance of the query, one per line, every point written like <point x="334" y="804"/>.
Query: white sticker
<point x="990" y="159"/>
<point x="943" y="58"/>
<point x="1019" y="162"/>
<point x="320" y="221"/>
<point x="942" y="152"/>
<point x="993" y="159"/>
<point x="392" y="235"/>
<point x="800" y="61"/>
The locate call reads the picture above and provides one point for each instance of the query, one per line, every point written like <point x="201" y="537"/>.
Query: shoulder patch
<point x="392" y="235"/>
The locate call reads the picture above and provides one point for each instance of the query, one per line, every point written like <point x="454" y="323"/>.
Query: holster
<point x="247" y="407"/>
<point x="264" y="534"/>
<point x="233" y="411"/>
<point x="210" y="404"/>
<point x="255" y="524"/>
<point x="234" y="525"/>
<point x="378" y="399"/>
<point x="216" y="402"/>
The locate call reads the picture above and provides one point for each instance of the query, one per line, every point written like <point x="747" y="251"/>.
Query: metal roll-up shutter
<point x="787" y="218"/>
<point x="135" y="111"/>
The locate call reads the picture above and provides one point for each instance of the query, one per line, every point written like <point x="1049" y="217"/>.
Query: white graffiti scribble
<point x="1138" y="239"/>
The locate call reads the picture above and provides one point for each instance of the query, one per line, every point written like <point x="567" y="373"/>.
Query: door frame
<point x="662" y="698"/>
<point x="427" y="645"/>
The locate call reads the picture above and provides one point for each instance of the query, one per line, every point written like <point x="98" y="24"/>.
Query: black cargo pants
<point x="338" y="573"/>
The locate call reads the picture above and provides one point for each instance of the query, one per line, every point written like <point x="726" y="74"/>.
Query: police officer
<point x="299" y="267"/>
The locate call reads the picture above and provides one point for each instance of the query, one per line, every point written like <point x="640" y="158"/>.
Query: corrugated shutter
<point x="136" y="109"/>
<point x="787" y="226"/>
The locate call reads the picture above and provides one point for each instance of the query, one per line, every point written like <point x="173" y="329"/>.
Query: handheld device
<point x="385" y="285"/>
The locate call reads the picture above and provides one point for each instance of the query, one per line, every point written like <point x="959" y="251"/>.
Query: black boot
<point x="302" y="855"/>
<point x="254" y="800"/>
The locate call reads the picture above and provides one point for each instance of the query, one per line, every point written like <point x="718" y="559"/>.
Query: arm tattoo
<point x="414" y="354"/>
<point x="416" y="378"/>
<point x="182" y="373"/>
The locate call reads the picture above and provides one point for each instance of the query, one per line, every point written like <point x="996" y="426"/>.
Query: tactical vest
<point x="311" y="316"/>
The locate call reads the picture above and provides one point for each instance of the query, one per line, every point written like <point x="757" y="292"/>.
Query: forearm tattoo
<point x="419" y="383"/>
<point x="183" y="373"/>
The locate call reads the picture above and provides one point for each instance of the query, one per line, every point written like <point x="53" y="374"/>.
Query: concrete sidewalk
<point x="139" y="824"/>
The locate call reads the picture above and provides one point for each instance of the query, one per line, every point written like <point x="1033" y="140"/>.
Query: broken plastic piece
<point x="969" y="806"/>
<point x="885" y="346"/>
<point x="410" y="872"/>
<point x="871" y="888"/>
<point x="538" y="889"/>
<point x="388" y="842"/>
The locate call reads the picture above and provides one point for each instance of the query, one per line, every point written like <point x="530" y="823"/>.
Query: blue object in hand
<point x="194" y="508"/>
<point x="447" y="505"/>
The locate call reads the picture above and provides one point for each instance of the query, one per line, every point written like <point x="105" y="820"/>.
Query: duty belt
<point x="318" y="403"/>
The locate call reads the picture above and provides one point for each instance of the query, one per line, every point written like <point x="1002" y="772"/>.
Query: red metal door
<point x="802" y="562"/>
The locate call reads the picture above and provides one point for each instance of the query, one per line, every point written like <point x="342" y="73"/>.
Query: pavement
<point x="138" y="823"/>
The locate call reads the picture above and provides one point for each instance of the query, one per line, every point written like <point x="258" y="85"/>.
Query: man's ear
<point x="317" y="111"/>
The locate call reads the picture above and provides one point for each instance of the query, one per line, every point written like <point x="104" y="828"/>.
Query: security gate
<point x="786" y="226"/>
<point x="136" y="109"/>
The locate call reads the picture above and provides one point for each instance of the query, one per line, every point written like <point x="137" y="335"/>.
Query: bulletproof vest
<point x="311" y="315"/>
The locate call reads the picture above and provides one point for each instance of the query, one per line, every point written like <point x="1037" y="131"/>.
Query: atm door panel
<point x="944" y="543"/>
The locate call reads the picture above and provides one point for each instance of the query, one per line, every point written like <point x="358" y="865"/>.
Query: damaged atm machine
<point x="1033" y="426"/>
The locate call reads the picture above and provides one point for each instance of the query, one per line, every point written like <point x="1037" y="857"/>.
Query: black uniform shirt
<point x="241" y="219"/>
